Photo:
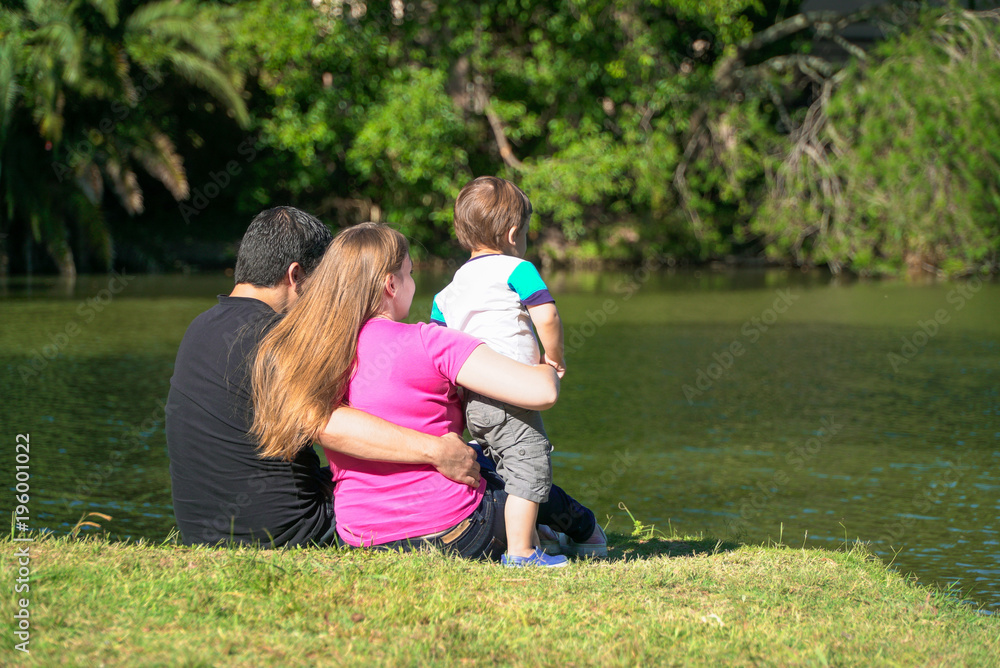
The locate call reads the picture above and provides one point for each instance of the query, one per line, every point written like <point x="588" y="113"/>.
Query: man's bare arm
<point x="358" y="434"/>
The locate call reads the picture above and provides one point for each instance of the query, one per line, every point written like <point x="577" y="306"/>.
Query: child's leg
<point x="519" y="516"/>
<point x="515" y="439"/>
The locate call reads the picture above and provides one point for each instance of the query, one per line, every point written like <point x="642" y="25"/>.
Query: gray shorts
<point x="514" y="438"/>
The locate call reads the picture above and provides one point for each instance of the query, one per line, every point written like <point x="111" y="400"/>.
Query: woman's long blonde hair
<point x="304" y="364"/>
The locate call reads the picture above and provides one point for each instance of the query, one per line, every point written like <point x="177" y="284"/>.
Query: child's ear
<point x="390" y="285"/>
<point x="512" y="235"/>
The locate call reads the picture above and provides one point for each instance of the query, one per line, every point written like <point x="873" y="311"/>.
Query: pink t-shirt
<point x="406" y="375"/>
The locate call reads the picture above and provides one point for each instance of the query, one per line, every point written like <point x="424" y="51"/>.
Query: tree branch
<point x="826" y="24"/>
<point x="496" y="123"/>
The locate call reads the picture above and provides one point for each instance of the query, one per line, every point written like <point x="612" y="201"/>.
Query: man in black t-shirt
<point x="222" y="491"/>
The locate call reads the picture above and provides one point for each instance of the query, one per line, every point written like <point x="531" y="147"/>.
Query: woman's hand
<point x="501" y="378"/>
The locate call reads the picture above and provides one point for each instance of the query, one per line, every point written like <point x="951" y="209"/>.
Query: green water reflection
<point x="738" y="404"/>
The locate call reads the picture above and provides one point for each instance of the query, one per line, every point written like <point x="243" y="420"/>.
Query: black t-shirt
<point x="222" y="490"/>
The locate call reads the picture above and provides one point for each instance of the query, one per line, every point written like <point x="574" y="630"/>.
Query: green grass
<point x="656" y="601"/>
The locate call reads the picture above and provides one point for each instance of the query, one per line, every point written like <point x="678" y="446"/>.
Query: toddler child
<point x="496" y="296"/>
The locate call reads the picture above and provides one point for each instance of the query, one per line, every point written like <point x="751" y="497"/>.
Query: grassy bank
<point x="658" y="601"/>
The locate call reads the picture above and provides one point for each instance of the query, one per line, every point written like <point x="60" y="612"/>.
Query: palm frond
<point x="188" y="39"/>
<point x="125" y="184"/>
<point x="122" y="70"/>
<point x="147" y="16"/>
<point x="108" y="9"/>
<point x="88" y="178"/>
<point x="41" y="10"/>
<point x="171" y="22"/>
<point x="8" y="88"/>
<point x="50" y="118"/>
<point x="60" y="40"/>
<point x="160" y="159"/>
<point x="208" y="76"/>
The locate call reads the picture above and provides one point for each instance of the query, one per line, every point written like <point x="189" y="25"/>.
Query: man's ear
<point x="512" y="235"/>
<point x="295" y="275"/>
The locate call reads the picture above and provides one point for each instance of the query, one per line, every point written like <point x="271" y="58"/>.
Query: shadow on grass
<point x="627" y="548"/>
<point x="647" y="541"/>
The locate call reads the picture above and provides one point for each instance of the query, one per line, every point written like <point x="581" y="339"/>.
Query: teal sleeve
<point x="436" y="316"/>
<point x="528" y="284"/>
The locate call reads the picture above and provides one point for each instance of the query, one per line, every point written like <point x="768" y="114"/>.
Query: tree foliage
<point x="896" y="168"/>
<point x="389" y="112"/>
<point x="669" y="127"/>
<point x="81" y="108"/>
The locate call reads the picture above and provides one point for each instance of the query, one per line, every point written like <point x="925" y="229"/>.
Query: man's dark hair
<point x="275" y="239"/>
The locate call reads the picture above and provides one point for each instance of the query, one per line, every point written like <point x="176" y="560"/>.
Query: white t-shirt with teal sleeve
<point x="489" y="299"/>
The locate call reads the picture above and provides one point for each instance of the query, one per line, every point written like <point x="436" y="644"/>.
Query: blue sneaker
<point x="539" y="558"/>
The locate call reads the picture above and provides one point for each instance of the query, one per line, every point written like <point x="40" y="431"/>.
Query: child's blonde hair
<point x="486" y="210"/>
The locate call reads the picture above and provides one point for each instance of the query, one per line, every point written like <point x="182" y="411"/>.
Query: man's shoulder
<point x="231" y="315"/>
<point x="222" y="338"/>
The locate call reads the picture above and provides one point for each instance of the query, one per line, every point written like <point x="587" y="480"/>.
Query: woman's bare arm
<point x="491" y="374"/>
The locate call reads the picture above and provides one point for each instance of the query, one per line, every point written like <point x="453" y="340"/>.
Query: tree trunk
<point x="63" y="256"/>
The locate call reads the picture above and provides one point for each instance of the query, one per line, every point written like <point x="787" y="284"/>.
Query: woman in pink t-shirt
<point x="342" y="342"/>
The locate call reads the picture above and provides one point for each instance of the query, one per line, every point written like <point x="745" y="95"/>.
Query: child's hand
<point x="558" y="365"/>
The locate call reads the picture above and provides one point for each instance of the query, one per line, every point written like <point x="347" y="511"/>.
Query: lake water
<point x="752" y="405"/>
